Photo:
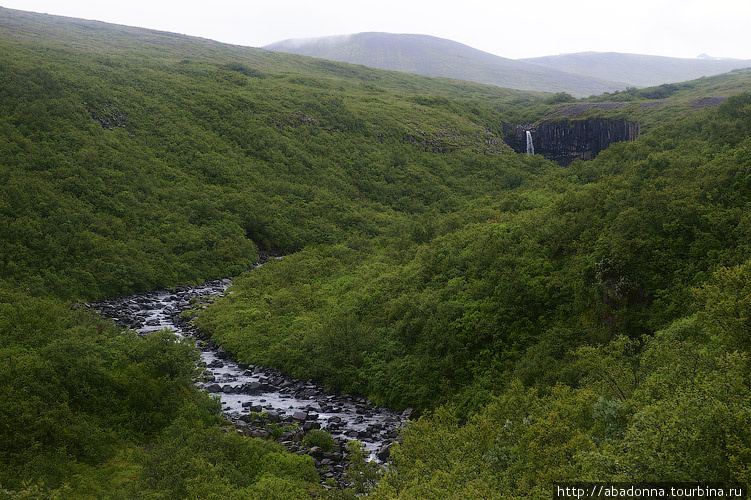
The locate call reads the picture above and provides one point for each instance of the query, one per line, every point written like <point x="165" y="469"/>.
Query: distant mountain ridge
<point x="639" y="70"/>
<point x="581" y="74"/>
<point x="432" y="56"/>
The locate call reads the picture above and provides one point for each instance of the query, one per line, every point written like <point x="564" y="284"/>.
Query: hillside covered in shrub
<point x="550" y="324"/>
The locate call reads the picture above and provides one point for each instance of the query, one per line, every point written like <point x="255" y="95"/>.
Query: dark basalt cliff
<point x="565" y="141"/>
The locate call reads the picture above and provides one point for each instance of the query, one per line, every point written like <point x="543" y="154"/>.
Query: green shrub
<point x="320" y="438"/>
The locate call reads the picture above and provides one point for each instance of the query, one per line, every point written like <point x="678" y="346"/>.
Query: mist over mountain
<point x="431" y="56"/>
<point x="581" y="74"/>
<point x="639" y="70"/>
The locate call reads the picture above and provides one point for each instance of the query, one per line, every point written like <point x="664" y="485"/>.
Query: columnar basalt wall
<point x="565" y="141"/>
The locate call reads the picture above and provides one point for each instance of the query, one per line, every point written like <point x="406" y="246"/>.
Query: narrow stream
<point x="246" y="388"/>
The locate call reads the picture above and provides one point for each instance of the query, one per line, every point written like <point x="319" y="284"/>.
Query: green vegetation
<point x="89" y="411"/>
<point x="669" y="407"/>
<point x="551" y="324"/>
<point x="654" y="106"/>
<point x="203" y="160"/>
<point x="633" y="405"/>
<point x="608" y="247"/>
<point x="320" y="438"/>
<point x="133" y="160"/>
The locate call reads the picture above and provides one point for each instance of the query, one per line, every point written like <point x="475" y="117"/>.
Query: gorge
<point x="563" y="141"/>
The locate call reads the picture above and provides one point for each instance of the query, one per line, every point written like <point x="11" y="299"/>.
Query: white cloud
<point x="680" y="28"/>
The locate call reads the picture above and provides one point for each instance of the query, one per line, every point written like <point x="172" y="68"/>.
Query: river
<point x="246" y="390"/>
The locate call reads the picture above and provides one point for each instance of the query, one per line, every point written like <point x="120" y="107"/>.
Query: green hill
<point x="178" y="144"/>
<point x="132" y="160"/>
<point x="654" y="106"/>
<point x="431" y="56"/>
<point x="635" y="69"/>
<point x="551" y="324"/>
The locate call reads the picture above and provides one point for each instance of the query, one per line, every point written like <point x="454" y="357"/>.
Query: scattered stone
<point x="261" y="434"/>
<point x="149" y="312"/>
<point x="384" y="452"/>
<point x="252" y="388"/>
<point x="308" y="426"/>
<point x="704" y="102"/>
<point x="315" y="451"/>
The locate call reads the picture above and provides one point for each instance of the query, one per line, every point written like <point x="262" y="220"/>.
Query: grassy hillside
<point x="635" y="69"/>
<point x="565" y="328"/>
<point x="171" y="161"/>
<point x="427" y="55"/>
<point x="653" y="106"/>
<point x="415" y="329"/>
<point x="133" y="160"/>
<point x="551" y="324"/>
<point x="638" y="361"/>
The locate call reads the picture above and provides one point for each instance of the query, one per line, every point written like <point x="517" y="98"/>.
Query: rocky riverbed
<point x="259" y="401"/>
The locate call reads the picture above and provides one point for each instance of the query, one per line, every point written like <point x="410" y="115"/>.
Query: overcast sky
<point x="514" y="29"/>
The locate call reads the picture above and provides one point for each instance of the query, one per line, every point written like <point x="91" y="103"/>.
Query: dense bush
<point x="674" y="409"/>
<point x="320" y="438"/>
<point x="608" y="247"/>
<point x="80" y="399"/>
<point x="553" y="324"/>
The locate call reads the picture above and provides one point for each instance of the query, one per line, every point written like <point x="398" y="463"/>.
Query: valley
<point x="486" y="322"/>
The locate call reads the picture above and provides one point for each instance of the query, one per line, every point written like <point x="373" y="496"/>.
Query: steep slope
<point x="654" y="106"/>
<point x="593" y="316"/>
<point x="132" y="159"/>
<point x="427" y="55"/>
<point x="588" y="322"/>
<point x="170" y="142"/>
<point x="636" y="69"/>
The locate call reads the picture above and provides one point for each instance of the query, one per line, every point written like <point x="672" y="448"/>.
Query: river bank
<point x="262" y="402"/>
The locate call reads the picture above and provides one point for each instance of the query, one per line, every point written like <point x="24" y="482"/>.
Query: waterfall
<point x="530" y="145"/>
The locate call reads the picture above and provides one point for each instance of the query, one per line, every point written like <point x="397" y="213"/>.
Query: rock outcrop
<point x="564" y="141"/>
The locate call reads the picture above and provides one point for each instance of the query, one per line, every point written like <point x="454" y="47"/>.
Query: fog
<point x="677" y="28"/>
